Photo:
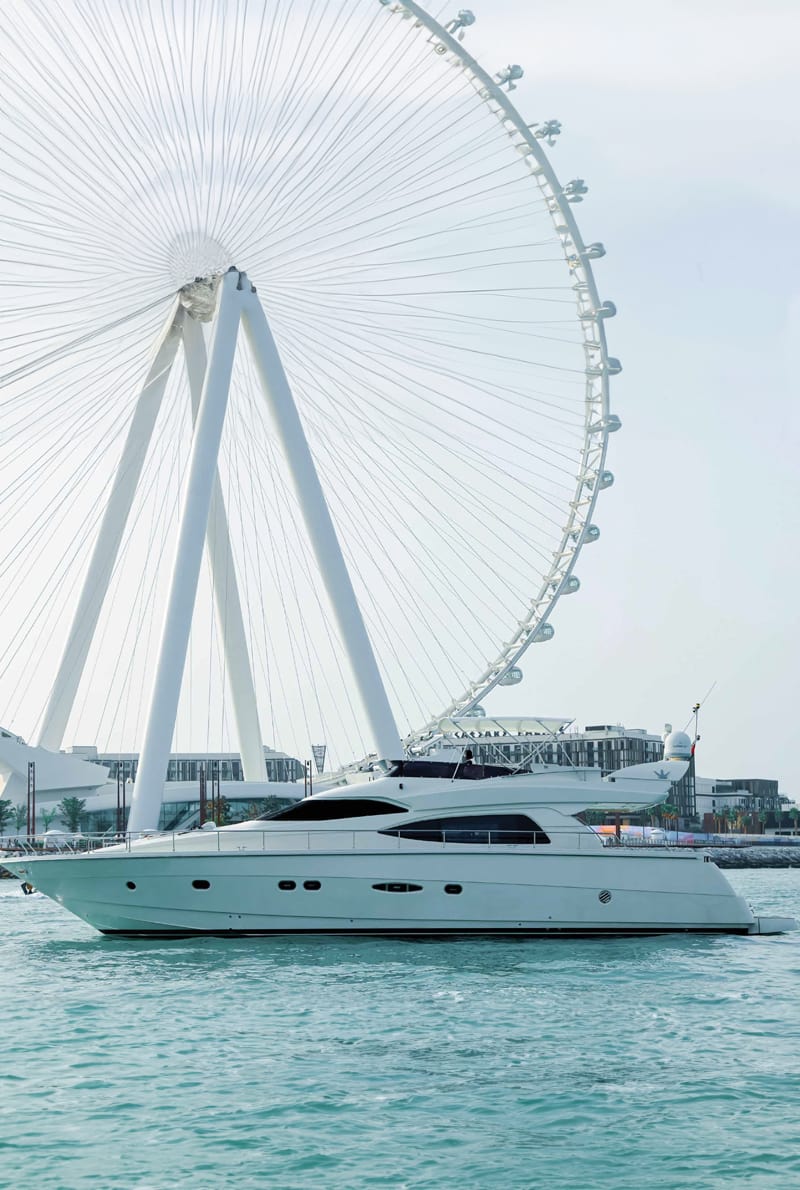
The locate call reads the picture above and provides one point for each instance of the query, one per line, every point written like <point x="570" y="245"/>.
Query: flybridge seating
<point x="446" y="769"/>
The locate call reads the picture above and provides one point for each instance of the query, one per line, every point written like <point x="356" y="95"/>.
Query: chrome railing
<point x="330" y="838"/>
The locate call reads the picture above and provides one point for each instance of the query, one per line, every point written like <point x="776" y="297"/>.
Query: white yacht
<point x="424" y="848"/>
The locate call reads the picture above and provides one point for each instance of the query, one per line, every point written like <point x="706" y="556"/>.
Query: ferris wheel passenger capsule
<point x="460" y="23"/>
<point x="547" y="131"/>
<point x="613" y="366"/>
<point x="575" y="190"/>
<point x="604" y="310"/>
<point x="570" y="585"/>
<point x="512" y="677"/>
<point x="590" y="533"/>
<point x="509" y="75"/>
<point x="594" y="251"/>
<point x="543" y="632"/>
<point x="601" y="481"/>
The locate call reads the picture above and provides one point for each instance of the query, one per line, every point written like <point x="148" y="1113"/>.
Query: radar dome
<point x="677" y="746"/>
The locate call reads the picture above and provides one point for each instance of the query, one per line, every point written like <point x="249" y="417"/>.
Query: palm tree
<point x="20" y="816"/>
<point x="671" y="813"/>
<point x="71" y="809"/>
<point x="48" y="816"/>
<point x="6" y="813"/>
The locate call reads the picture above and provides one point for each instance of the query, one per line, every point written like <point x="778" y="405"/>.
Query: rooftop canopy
<point x="473" y="725"/>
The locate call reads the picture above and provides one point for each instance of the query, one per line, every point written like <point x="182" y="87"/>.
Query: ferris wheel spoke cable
<point x="460" y="408"/>
<point x="407" y="212"/>
<point x="419" y="267"/>
<point x="384" y="635"/>
<point x="519" y="493"/>
<point x="394" y="131"/>
<point x="159" y="471"/>
<point x="374" y="490"/>
<point x="412" y="596"/>
<point x="371" y="185"/>
<point x="151" y="622"/>
<point x="285" y="577"/>
<point x="252" y="571"/>
<point x="520" y="496"/>
<point x="417" y="187"/>
<point x="364" y="418"/>
<point x="58" y="504"/>
<point x="424" y="426"/>
<point x="154" y="467"/>
<point x="309" y="577"/>
<point x="433" y="562"/>
<point x="288" y="572"/>
<point x="51" y="410"/>
<point x="304" y="131"/>
<point x="345" y="255"/>
<point x="60" y="352"/>
<point x="312" y="587"/>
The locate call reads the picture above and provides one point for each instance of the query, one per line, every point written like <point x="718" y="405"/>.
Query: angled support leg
<point x="227" y="603"/>
<point x="149" y="786"/>
<point x="112" y="528"/>
<point x="321" y="530"/>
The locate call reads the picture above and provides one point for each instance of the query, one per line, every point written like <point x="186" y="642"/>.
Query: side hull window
<point x="484" y="829"/>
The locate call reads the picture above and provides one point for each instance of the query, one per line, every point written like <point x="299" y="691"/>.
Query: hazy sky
<point x="683" y="119"/>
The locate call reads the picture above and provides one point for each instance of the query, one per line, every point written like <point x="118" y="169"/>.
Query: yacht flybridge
<point x="424" y="848"/>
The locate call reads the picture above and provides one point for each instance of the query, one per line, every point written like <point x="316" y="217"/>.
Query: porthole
<point x="286" y="885"/>
<point x="453" y="889"/>
<point x="201" y="884"/>
<point x="130" y="885"/>
<point x="312" y="885"/>
<point x="398" y="888"/>
<point x="604" y="897"/>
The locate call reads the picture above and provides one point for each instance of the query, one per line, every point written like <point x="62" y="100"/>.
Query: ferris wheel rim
<point x="551" y="470"/>
<point x="596" y="432"/>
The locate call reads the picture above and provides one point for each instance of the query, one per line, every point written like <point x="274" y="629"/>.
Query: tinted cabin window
<point x="473" y="828"/>
<point x="320" y="809"/>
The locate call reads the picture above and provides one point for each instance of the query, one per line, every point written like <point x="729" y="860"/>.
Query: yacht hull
<point x="425" y="893"/>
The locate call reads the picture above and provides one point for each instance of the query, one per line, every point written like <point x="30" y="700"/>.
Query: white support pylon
<point x="163" y="709"/>
<point x="321" y="531"/>
<point x="112" y="528"/>
<point x="227" y="603"/>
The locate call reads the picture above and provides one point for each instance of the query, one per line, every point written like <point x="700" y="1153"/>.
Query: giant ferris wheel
<point x="354" y="517"/>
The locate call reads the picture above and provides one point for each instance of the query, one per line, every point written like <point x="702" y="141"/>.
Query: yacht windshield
<point x="443" y="768"/>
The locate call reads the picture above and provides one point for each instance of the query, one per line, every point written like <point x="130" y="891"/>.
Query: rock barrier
<point x="755" y="857"/>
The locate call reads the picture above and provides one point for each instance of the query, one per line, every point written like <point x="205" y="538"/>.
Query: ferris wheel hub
<point x="196" y="254"/>
<point x="199" y="297"/>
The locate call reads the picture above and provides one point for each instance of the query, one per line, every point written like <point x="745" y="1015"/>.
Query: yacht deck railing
<point x="333" y="839"/>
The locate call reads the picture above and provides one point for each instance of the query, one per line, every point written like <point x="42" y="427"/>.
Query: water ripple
<point x="348" y="1063"/>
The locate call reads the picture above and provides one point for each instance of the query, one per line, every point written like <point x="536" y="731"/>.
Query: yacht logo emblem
<point x="662" y="774"/>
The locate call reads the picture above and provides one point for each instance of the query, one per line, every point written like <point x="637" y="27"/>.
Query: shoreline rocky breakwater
<point x="753" y="856"/>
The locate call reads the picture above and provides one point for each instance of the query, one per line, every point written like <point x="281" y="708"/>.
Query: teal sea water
<point x="336" y="1063"/>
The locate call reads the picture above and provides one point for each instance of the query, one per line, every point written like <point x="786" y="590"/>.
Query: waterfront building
<point x="105" y="781"/>
<point x="755" y="801"/>
<point x="186" y="766"/>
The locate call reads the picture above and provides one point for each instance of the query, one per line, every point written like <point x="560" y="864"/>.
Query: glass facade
<point x="187" y="767"/>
